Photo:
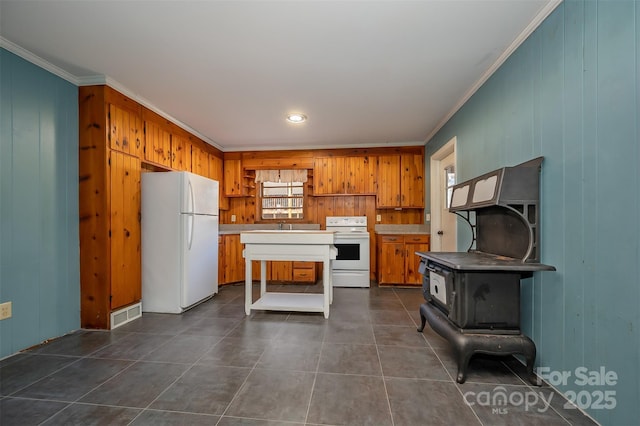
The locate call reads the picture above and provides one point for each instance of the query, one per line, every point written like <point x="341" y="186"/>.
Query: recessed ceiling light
<point x="296" y="118"/>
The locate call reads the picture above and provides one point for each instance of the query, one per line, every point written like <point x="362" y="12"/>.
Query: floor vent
<point x="125" y="315"/>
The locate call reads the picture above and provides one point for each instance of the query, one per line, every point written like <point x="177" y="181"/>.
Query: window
<point x="450" y="181"/>
<point x="282" y="200"/>
<point x="281" y="193"/>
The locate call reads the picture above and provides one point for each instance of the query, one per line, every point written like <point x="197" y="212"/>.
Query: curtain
<point x="285" y="176"/>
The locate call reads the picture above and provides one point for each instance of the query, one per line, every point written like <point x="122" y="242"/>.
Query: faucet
<point x="281" y="227"/>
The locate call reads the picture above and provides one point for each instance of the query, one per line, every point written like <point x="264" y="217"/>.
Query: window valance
<point x="284" y="176"/>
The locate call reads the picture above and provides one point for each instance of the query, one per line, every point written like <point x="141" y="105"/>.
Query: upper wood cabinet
<point x="180" y="153"/>
<point x="412" y="180"/>
<point x="401" y="181"/>
<point x="125" y="130"/>
<point x="344" y="175"/>
<point x="216" y="172"/>
<point x="166" y="148"/>
<point x="157" y="144"/>
<point x="234" y="178"/>
<point x="199" y="161"/>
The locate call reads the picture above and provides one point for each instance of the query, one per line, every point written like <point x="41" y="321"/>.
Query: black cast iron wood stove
<point x="473" y="298"/>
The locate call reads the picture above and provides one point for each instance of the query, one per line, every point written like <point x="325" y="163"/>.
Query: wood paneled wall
<point x="319" y="207"/>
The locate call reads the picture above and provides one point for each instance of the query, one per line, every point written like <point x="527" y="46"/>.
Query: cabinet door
<point x="180" y="153"/>
<point x="126" y="286"/>
<point x="412" y="180"/>
<point x="391" y="261"/>
<point x="412" y="244"/>
<point x="233" y="183"/>
<point x="216" y="172"/>
<point x="199" y="161"/>
<point x="281" y="271"/>
<point x="233" y="260"/>
<point x="388" y="188"/>
<point x="360" y="175"/>
<point x="221" y="259"/>
<point x="328" y="176"/>
<point x="157" y="144"/>
<point x="125" y="131"/>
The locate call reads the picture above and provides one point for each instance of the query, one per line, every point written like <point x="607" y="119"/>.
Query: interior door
<point x="447" y="231"/>
<point x="443" y="223"/>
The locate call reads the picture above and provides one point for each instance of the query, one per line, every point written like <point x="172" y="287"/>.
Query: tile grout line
<point x="186" y="371"/>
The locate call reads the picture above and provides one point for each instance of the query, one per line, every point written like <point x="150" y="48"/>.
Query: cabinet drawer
<point x="392" y="239"/>
<point x="305" y="275"/>
<point x="409" y="238"/>
<point x="303" y="265"/>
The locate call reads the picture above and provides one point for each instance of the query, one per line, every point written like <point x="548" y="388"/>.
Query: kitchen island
<point x="295" y="245"/>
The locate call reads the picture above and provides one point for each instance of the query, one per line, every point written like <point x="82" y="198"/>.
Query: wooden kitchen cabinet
<point x="412" y="244"/>
<point x="180" y="153"/>
<point x="232" y="260"/>
<point x="165" y="145"/>
<point x="157" y="144"/>
<point x="353" y="175"/>
<point x="216" y="172"/>
<point x="232" y="265"/>
<point x="126" y="129"/>
<point x="304" y="272"/>
<point x="234" y="179"/>
<point x="280" y="271"/>
<point x="401" y="180"/>
<point x="397" y="262"/>
<point x="199" y="161"/>
<point x="124" y="180"/>
<point x="109" y="205"/>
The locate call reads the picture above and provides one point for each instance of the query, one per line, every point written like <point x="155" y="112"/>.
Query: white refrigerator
<point x="179" y="240"/>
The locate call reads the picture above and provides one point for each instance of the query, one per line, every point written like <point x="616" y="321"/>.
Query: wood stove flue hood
<point x="502" y="208"/>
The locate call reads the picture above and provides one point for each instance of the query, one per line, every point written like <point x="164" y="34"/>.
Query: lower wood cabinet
<point x="232" y="266"/>
<point x="231" y="262"/>
<point x="304" y="272"/>
<point x="397" y="261"/>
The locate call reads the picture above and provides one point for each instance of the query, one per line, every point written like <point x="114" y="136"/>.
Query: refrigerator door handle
<point x="192" y="200"/>
<point x="191" y="227"/>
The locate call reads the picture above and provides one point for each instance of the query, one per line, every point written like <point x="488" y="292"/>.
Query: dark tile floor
<point x="365" y="365"/>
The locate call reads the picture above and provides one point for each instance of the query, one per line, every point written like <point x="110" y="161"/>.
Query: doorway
<point x="443" y="177"/>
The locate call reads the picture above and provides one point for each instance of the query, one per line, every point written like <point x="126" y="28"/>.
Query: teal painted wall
<point x="571" y="93"/>
<point x="39" y="244"/>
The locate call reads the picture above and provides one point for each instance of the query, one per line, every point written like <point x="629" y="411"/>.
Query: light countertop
<point x="402" y="229"/>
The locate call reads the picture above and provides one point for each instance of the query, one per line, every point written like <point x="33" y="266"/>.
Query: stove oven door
<point x="353" y="252"/>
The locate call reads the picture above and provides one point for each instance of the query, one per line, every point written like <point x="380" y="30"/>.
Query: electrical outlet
<point x="378" y="218"/>
<point x="233" y="218"/>
<point x="427" y="217"/>
<point x="5" y="310"/>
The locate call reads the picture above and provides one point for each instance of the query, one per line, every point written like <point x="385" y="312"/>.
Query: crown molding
<point x="34" y="59"/>
<point x="93" y="80"/>
<point x="533" y="25"/>
<point x="312" y="146"/>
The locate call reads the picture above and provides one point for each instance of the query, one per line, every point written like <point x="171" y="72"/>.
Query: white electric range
<point x="352" y="264"/>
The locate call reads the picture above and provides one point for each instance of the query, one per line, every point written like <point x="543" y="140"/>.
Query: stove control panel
<point x="346" y="221"/>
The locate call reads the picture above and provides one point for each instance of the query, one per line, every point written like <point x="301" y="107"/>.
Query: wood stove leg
<point x="423" y="318"/>
<point x="463" y="362"/>
<point x="529" y="352"/>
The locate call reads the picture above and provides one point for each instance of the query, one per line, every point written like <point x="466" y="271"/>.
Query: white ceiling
<point x="367" y="73"/>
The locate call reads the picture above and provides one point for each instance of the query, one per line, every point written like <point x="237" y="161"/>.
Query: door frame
<point x="436" y="185"/>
